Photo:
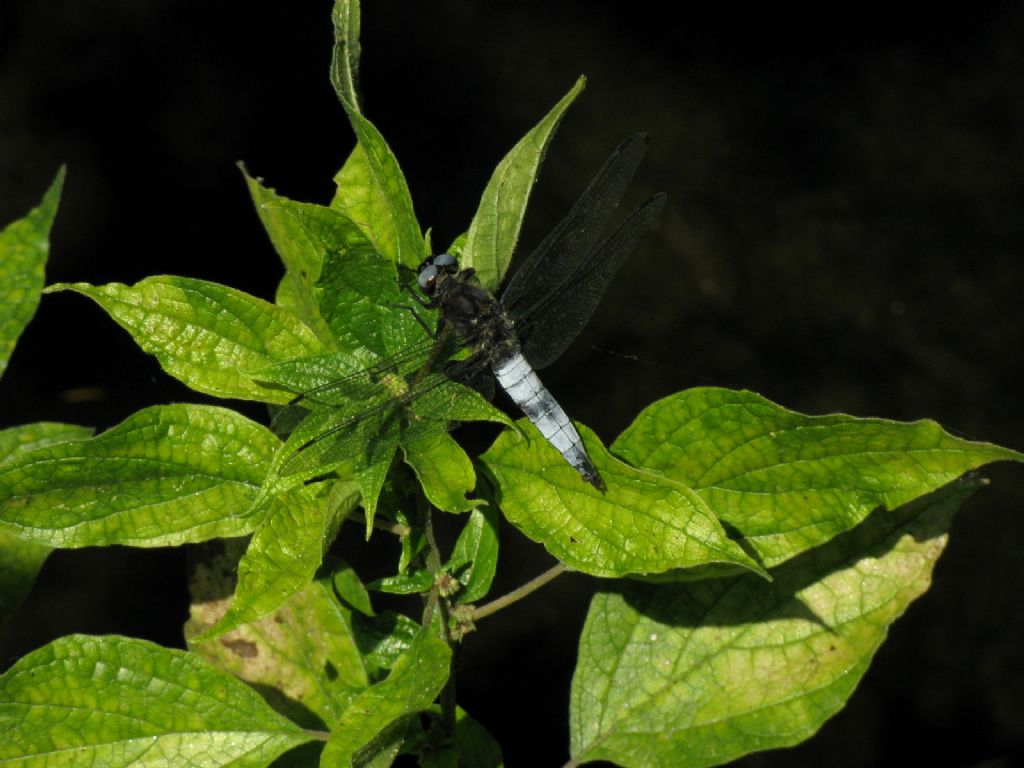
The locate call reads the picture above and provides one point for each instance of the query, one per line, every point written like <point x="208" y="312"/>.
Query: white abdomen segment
<point x="518" y="378"/>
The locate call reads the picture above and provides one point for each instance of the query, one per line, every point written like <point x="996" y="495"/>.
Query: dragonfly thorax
<point x="466" y="307"/>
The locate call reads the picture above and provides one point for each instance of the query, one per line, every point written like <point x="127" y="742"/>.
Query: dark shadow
<point x="748" y="598"/>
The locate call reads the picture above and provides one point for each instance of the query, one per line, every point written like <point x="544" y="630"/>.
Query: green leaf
<point x="788" y="482"/>
<point x="285" y="552"/>
<point x="473" y="747"/>
<point x="303" y="657"/>
<point x="16" y="441"/>
<point x="350" y="589"/>
<point x="384" y="638"/>
<point x="345" y="62"/>
<point x="494" y="230"/>
<point x="20" y="560"/>
<point x="698" y="674"/>
<point x="24" y="246"/>
<point x="206" y="335"/>
<point x="411" y="583"/>
<point x="373" y="193"/>
<point x="114" y="701"/>
<point x="643" y="523"/>
<point x="477" y="748"/>
<point x="441" y="465"/>
<point x="414" y="682"/>
<point x="166" y="475"/>
<point x="302" y="235"/>
<point x="412" y="539"/>
<point x="359" y="298"/>
<point x="458" y="403"/>
<point x="443" y="469"/>
<point x="474" y="558"/>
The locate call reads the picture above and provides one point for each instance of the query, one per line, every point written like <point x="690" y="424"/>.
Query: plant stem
<point x="435" y="598"/>
<point x="381" y="525"/>
<point x="519" y="592"/>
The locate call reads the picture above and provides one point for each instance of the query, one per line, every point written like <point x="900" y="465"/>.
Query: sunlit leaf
<point x="413" y="684"/>
<point x="361" y="301"/>
<point x="642" y="524"/>
<point x="285" y="552"/>
<point x="494" y="231"/>
<point x="303" y="657"/>
<point x="20" y="559"/>
<point x="345" y="62"/>
<point x="302" y="234"/>
<point x="698" y="674"/>
<point x="788" y="482"/>
<point x="474" y="558"/>
<point x="114" y="701"/>
<point x="373" y="193"/>
<point x="24" y="246"/>
<point x="205" y="334"/>
<point x="443" y="469"/>
<point x="166" y="475"/>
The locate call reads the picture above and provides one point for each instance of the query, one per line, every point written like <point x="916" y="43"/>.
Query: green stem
<point x="435" y="598"/>
<point x="518" y="593"/>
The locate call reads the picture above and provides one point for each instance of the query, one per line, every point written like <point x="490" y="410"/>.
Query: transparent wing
<point x="553" y="321"/>
<point x="560" y="254"/>
<point x="362" y="416"/>
<point x="559" y="285"/>
<point x="329" y="435"/>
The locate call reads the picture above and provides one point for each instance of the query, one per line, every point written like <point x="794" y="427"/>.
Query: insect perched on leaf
<point x="541" y="310"/>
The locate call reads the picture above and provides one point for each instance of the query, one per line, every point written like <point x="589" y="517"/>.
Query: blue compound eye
<point x="444" y="260"/>
<point x="427" y="278"/>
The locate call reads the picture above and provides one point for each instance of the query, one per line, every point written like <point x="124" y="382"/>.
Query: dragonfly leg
<point x="415" y="314"/>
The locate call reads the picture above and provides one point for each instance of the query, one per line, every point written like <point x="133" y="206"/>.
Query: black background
<point x="844" y="233"/>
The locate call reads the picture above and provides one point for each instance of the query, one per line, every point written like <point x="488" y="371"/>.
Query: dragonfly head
<point x="431" y="269"/>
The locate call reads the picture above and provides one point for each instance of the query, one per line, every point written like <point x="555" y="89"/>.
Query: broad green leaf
<point x="298" y="231"/>
<point x="345" y="62"/>
<point x="411" y="583"/>
<point x="303" y="657"/>
<point x="331" y="437"/>
<point x="205" y="334"/>
<point x="457" y="402"/>
<point x="494" y="231"/>
<point x="443" y="469"/>
<point x="16" y="441"/>
<point x="788" y="482"/>
<point x="698" y="674"/>
<point x="477" y="748"/>
<point x="360" y="300"/>
<point x="302" y="234"/>
<point x="372" y="192"/>
<point x="24" y="246"/>
<point x="441" y="465"/>
<point x="350" y="589"/>
<point x="643" y="524"/>
<point x="474" y="558"/>
<point x="166" y="475"/>
<point x="354" y="423"/>
<point x="285" y="552"/>
<point x="114" y="701"/>
<point x="20" y="560"/>
<point x="383" y="638"/>
<point x="411" y="687"/>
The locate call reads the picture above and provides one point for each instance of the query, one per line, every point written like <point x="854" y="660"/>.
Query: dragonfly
<point x="538" y="313"/>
